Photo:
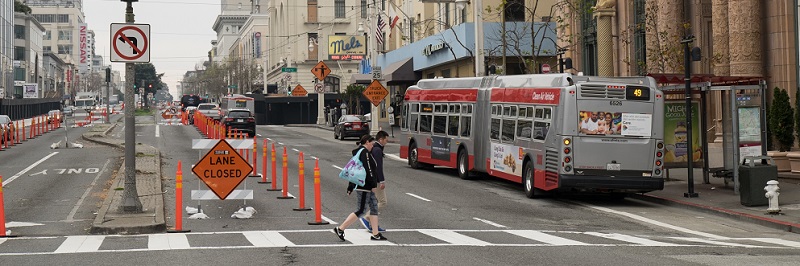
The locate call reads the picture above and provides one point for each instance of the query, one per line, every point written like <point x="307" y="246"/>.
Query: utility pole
<point x="130" y="197"/>
<point x="321" y="92"/>
<point x="108" y="91"/>
<point x="479" y="65"/>
<point x="373" y="44"/>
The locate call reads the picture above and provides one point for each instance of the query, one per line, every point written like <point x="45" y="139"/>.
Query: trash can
<point x="754" y="172"/>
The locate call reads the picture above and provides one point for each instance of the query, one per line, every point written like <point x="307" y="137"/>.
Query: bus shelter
<point x="744" y="127"/>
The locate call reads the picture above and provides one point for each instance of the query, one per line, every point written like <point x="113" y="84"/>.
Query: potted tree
<point x="781" y="125"/>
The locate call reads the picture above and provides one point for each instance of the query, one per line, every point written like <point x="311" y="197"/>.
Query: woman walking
<point x="365" y="195"/>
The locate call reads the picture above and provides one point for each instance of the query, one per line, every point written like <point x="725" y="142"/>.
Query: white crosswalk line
<point x="75" y="244"/>
<point x="714" y="242"/>
<point x="453" y="237"/>
<point x="546" y="238"/>
<point x="267" y="239"/>
<point x="633" y="239"/>
<point x="361" y="238"/>
<point x="778" y="241"/>
<point x="167" y="242"/>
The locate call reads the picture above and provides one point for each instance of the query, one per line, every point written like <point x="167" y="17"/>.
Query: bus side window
<point x="508" y="129"/>
<point x="540" y="130"/>
<point x="524" y="128"/>
<point x="466" y="119"/>
<point x="414" y="122"/>
<point x="495" y="126"/>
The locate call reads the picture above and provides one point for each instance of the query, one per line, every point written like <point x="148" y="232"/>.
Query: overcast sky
<point x="180" y="32"/>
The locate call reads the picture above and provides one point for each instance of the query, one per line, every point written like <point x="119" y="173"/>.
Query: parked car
<point x="6" y="125"/>
<point x="68" y="110"/>
<point x="351" y="126"/>
<point x="54" y="115"/>
<point x="210" y="109"/>
<point x="241" y="120"/>
<point x="190" y="114"/>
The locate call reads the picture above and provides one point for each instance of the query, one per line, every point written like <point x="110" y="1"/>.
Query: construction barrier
<point x="274" y="170"/>
<point x="264" y="168"/>
<point x="178" y="201"/>
<point x="301" y="184"/>
<point x="255" y="157"/>
<point x="317" y="198"/>
<point x="2" y="211"/>
<point x="285" y="194"/>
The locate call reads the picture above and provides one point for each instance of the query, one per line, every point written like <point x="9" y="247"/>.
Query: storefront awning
<point x="715" y="80"/>
<point x="360" y="79"/>
<point x="401" y="72"/>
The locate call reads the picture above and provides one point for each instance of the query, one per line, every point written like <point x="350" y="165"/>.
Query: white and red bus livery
<point x="550" y="132"/>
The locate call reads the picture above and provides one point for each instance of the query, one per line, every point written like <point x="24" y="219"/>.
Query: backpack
<point x="354" y="171"/>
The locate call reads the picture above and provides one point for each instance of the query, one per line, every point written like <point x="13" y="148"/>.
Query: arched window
<point x="332" y="83"/>
<point x="589" y="32"/>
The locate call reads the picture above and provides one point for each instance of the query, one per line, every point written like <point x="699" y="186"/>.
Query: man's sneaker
<point x="365" y="223"/>
<point x="380" y="229"/>
<point x="378" y="237"/>
<point x="339" y="232"/>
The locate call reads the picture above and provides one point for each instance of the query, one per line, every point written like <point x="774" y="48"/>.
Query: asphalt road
<point x="433" y="217"/>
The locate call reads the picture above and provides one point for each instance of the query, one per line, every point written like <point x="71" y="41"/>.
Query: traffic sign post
<point x="222" y="169"/>
<point x="375" y="92"/>
<point x="321" y="71"/>
<point x="130" y="43"/>
<point x="318" y="87"/>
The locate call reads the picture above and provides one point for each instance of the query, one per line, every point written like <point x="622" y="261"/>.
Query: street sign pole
<point x="320" y="93"/>
<point x="130" y="197"/>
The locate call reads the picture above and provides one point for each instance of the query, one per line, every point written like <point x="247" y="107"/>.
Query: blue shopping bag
<point x="354" y="171"/>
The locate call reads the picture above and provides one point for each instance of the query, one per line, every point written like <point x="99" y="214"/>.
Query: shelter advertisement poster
<point x="676" y="135"/>
<point x="507" y="159"/>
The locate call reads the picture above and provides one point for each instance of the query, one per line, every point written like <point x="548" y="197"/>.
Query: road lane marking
<point x="546" y="238"/>
<point x="653" y="222"/>
<point x="71" y="216"/>
<point x="267" y="239"/>
<point x="75" y="244"/>
<point x="328" y="220"/>
<point x="395" y="157"/>
<point x="453" y="237"/>
<point x="713" y="242"/>
<point x="295" y="150"/>
<point x="29" y="168"/>
<point x="633" y="239"/>
<point x="157" y="133"/>
<point x="167" y="242"/>
<point x="489" y="222"/>
<point x="413" y="195"/>
<point x="334" y="166"/>
<point x="315" y="158"/>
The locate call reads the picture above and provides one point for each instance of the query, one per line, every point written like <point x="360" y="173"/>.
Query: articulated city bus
<point x="550" y="132"/>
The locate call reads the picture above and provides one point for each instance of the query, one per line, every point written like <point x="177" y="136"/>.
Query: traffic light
<point x="149" y="86"/>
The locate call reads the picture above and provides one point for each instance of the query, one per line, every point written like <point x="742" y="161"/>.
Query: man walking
<point x="381" y="138"/>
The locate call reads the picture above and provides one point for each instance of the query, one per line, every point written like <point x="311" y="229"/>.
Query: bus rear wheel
<point x="527" y="181"/>
<point x="413" y="157"/>
<point x="463" y="171"/>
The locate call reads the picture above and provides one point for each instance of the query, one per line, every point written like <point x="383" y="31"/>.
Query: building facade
<point x="54" y="75"/>
<point x="6" y="48"/>
<point x="28" y="55"/>
<point x="65" y="26"/>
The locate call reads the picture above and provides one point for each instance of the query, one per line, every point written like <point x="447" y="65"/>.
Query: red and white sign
<point x="318" y="87"/>
<point x="545" y="68"/>
<point x="130" y="43"/>
<point x="545" y="96"/>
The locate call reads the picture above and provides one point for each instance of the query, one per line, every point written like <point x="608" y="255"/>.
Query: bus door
<point x="614" y="135"/>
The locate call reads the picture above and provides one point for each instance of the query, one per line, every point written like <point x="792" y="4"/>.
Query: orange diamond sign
<point x="299" y="91"/>
<point x="222" y="169"/>
<point x="375" y="92"/>
<point x="321" y="70"/>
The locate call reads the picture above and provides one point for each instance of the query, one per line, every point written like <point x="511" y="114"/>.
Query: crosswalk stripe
<point x="167" y="242"/>
<point x="75" y="244"/>
<point x="267" y="239"/>
<point x="714" y="242"/>
<point x="453" y="237"/>
<point x="362" y="238"/>
<point x="633" y="239"/>
<point x="546" y="238"/>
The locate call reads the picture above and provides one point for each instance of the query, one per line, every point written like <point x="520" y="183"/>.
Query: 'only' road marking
<point x="29" y="168"/>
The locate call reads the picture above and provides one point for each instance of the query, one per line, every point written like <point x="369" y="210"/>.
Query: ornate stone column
<point x="669" y="21"/>
<point x="605" y="41"/>
<point x="721" y="57"/>
<point x="745" y="21"/>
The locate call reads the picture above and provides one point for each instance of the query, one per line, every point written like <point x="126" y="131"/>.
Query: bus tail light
<point x="567" y="150"/>
<point x="658" y="162"/>
<point x="566" y="163"/>
<point x="567" y="159"/>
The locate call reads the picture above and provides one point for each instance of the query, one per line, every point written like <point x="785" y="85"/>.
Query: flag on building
<point x="379" y="31"/>
<point x="393" y="18"/>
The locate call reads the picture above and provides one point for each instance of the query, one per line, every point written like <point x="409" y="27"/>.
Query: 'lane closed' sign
<point x="222" y="169"/>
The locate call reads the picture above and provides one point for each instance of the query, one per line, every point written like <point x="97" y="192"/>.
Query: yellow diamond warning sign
<point x="375" y="92"/>
<point x="222" y="169"/>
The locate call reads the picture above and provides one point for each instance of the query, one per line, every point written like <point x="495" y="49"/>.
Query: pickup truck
<point x="210" y="109"/>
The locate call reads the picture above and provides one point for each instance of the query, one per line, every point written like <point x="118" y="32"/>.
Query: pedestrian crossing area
<point x="360" y="237"/>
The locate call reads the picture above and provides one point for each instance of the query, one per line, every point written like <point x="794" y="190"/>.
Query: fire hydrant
<point x="772" y="195"/>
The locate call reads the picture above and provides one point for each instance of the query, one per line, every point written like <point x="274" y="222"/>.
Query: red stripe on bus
<point x="527" y="95"/>
<point x="404" y="152"/>
<point x="502" y="175"/>
<point x="442" y="95"/>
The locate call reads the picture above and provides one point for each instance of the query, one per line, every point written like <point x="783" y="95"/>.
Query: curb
<point x="746" y="217"/>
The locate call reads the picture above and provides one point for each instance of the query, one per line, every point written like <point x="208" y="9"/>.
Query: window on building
<point x="63" y="18"/>
<point x="19" y="73"/>
<point x="19" y="32"/>
<point x="333" y="82"/>
<point x="515" y="10"/>
<point x="363" y="8"/>
<point x="639" y="42"/>
<point x="313" y="11"/>
<point x="48" y="35"/>
<point x="447" y="16"/>
<point x="47" y="49"/>
<point x="589" y="30"/>
<point x="431" y="75"/>
<point x="65" y="35"/>
<point x="64" y="49"/>
<point x="339" y="8"/>
<point x="313" y="54"/>
<point x="445" y="73"/>
<point x="463" y="15"/>
<point x="19" y="53"/>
